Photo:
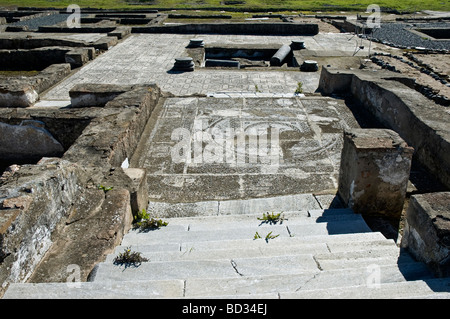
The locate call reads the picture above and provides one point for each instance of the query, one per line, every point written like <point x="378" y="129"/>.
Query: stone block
<point x="23" y="91"/>
<point x="88" y="95"/>
<point x="79" y="56"/>
<point x="27" y="143"/>
<point x="17" y="95"/>
<point x="427" y="231"/>
<point x="374" y="171"/>
<point x="120" y="32"/>
<point x="139" y="188"/>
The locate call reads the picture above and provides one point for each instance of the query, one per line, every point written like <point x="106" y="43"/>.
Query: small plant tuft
<point x="299" y="89"/>
<point x="272" y="218"/>
<point x="257" y="236"/>
<point x="267" y="238"/>
<point x="129" y="258"/>
<point x="105" y="188"/>
<point x="144" y="222"/>
<point x="270" y="236"/>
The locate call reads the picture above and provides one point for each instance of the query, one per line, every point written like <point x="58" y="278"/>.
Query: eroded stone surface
<point x="308" y="145"/>
<point x="27" y="143"/>
<point x="374" y="171"/>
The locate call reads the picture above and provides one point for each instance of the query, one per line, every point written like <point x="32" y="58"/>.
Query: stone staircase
<point x="316" y="253"/>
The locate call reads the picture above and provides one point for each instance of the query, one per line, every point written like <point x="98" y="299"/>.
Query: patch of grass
<point x="249" y="5"/>
<point x="144" y="222"/>
<point x="129" y="258"/>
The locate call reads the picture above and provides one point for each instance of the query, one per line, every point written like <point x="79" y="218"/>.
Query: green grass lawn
<point x="299" y="5"/>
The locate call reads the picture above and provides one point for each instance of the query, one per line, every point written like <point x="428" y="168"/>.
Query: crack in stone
<point x="299" y="288"/>
<point x="234" y="265"/>
<point x="317" y="263"/>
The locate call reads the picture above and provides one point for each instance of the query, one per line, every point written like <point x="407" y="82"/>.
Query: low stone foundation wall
<point x="427" y="231"/>
<point x="40" y="58"/>
<point x="72" y="211"/>
<point x="33" y="202"/>
<point x="24" y="41"/>
<point x="420" y="122"/>
<point x="24" y="91"/>
<point x="234" y="28"/>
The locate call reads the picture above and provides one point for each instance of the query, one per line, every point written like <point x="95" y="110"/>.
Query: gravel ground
<point x="398" y="35"/>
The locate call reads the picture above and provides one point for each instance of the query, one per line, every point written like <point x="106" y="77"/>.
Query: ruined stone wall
<point x="419" y="121"/>
<point x="34" y="200"/>
<point x="74" y="209"/>
<point x="427" y="231"/>
<point x="24" y="91"/>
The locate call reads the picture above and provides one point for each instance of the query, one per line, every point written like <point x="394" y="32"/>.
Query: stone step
<point x="429" y="288"/>
<point x="252" y="220"/>
<point x="297" y="202"/>
<point x="365" y="258"/>
<point x="262" y="251"/>
<point x="151" y="289"/>
<point x="302" y="282"/>
<point x="310" y="284"/>
<point x="249" y="266"/>
<point x="136" y="237"/>
<point x="215" y="268"/>
<point x="224" y="262"/>
<point x="339" y="239"/>
<point x="333" y="243"/>
<point x="255" y="249"/>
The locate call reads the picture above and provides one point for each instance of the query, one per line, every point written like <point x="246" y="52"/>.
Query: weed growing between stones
<point x="144" y="222"/>
<point x="272" y="218"/>
<point x="104" y="188"/>
<point x="129" y="258"/>
<point x="299" y="89"/>
<point x="267" y="238"/>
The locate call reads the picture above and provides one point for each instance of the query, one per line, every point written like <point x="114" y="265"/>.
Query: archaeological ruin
<point x="290" y="156"/>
